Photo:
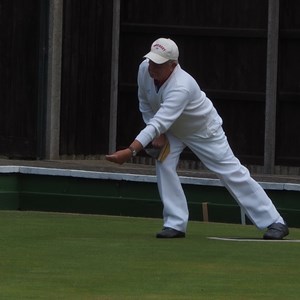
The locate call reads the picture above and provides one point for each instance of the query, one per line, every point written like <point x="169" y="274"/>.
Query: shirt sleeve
<point x="146" y="135"/>
<point x="172" y="107"/>
<point x="144" y="106"/>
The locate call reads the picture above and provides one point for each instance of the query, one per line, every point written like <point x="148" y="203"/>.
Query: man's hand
<point x="120" y="157"/>
<point x="160" y="141"/>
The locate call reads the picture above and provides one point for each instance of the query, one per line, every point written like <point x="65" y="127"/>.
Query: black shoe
<point x="170" y="233"/>
<point x="276" y="231"/>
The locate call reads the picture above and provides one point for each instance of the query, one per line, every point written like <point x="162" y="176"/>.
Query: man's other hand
<point x="160" y="141"/>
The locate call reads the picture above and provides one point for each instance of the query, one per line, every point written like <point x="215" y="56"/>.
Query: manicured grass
<point x="64" y="256"/>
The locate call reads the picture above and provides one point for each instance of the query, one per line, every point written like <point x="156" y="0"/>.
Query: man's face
<point x="161" y="72"/>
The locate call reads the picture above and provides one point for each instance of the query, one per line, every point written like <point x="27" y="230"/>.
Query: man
<point x="175" y="109"/>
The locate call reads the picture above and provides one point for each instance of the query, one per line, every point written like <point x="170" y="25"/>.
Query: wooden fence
<point x="69" y="67"/>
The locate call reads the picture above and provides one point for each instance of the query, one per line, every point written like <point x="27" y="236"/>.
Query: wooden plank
<point x="86" y="77"/>
<point x="19" y="40"/>
<point x="42" y="78"/>
<point x="114" y="77"/>
<point x="271" y="87"/>
<point x="52" y="140"/>
<point x="194" y="30"/>
<point x="205" y="212"/>
<point x="290" y="33"/>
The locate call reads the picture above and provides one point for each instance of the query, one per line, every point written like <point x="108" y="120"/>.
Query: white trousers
<point x="216" y="154"/>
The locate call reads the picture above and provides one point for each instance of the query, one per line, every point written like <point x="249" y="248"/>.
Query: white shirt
<point x="179" y="106"/>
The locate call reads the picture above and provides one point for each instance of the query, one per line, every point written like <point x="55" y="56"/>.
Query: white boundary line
<point x="251" y="240"/>
<point x="133" y="177"/>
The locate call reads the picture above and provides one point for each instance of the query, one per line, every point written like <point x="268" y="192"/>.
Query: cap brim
<point x="156" y="58"/>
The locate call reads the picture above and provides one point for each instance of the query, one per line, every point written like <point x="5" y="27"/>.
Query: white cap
<point x="163" y="50"/>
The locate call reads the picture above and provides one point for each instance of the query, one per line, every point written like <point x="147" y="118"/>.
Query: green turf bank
<point x="77" y="191"/>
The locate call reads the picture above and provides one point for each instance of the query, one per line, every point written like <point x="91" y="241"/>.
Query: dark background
<point x="222" y="43"/>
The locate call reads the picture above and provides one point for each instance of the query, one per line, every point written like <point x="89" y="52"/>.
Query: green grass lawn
<point x="64" y="256"/>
